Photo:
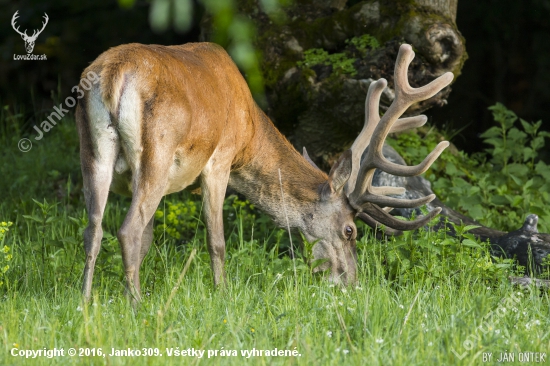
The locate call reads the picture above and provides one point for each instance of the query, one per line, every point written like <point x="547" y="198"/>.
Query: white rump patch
<point x="129" y="122"/>
<point x="104" y="135"/>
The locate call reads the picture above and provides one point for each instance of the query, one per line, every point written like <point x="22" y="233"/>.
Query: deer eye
<point x="348" y="231"/>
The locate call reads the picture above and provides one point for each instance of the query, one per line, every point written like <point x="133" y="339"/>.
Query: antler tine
<point x="405" y="95"/>
<point x="407" y="123"/>
<point x="46" y="19"/>
<point x="381" y="216"/>
<point x="372" y="117"/>
<point x="375" y="224"/>
<point x="13" y="19"/>
<point x="394" y="202"/>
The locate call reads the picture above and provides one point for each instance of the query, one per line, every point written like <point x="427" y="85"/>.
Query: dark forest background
<point x="509" y="61"/>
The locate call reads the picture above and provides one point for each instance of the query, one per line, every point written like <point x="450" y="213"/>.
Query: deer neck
<point x="258" y="179"/>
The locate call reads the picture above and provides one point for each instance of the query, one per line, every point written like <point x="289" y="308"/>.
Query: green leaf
<point x="516" y="180"/>
<point x="448" y="242"/>
<point x="40" y="204"/>
<point x="470" y="243"/>
<point x="499" y="200"/>
<point x="519" y="170"/>
<point x="528" y="154"/>
<point x="527" y="185"/>
<point x="503" y="116"/>
<point x="476" y="212"/>
<point x="497" y="142"/>
<point x="469" y="236"/>
<point x="471" y="200"/>
<point x="492" y="132"/>
<point x="470" y="227"/>
<point x="528" y="127"/>
<point x="33" y="218"/>
<point x="537" y="210"/>
<point x="543" y="169"/>
<point x="537" y="143"/>
<point x="517" y="201"/>
<point x="516" y="136"/>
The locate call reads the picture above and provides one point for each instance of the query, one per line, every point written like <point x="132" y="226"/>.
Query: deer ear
<point x="338" y="176"/>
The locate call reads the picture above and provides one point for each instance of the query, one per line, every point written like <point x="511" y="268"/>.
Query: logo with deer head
<point x="29" y="40"/>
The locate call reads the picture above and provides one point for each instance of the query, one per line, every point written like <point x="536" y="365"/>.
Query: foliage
<point x="342" y="62"/>
<point x="48" y="169"/>
<point x="498" y="188"/>
<point x="179" y="219"/>
<point x="433" y="254"/>
<point x="364" y="43"/>
<point x="5" y="255"/>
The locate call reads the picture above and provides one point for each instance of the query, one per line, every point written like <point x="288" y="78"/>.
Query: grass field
<point x="423" y="299"/>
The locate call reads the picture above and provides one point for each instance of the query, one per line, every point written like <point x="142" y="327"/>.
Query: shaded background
<point x="505" y="39"/>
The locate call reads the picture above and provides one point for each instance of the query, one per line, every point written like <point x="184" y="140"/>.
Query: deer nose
<point x="343" y="278"/>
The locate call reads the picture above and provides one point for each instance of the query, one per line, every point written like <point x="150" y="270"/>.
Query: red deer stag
<point x="162" y="117"/>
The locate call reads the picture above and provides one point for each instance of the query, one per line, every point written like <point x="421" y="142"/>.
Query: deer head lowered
<point x="29" y="41"/>
<point x="163" y="117"/>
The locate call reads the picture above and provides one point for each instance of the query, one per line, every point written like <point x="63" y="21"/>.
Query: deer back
<point x="188" y="102"/>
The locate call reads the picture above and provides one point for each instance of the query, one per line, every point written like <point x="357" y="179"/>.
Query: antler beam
<point x="13" y="19"/>
<point x="367" y="199"/>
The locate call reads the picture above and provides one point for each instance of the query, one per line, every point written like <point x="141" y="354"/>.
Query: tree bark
<point x="320" y="106"/>
<point x="445" y="7"/>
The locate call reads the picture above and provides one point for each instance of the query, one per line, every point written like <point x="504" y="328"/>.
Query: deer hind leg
<point x="146" y="241"/>
<point x="97" y="161"/>
<point x="213" y="186"/>
<point x="136" y="233"/>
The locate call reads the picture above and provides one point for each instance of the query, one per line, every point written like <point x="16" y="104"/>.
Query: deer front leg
<point x="213" y="187"/>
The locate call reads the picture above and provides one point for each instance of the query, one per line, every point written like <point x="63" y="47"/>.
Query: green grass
<point x="419" y="299"/>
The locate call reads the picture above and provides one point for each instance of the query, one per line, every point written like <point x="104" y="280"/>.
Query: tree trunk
<point x="319" y="103"/>
<point x="445" y="7"/>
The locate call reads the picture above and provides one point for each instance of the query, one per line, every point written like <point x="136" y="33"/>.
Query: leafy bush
<point x="424" y="254"/>
<point x="5" y="255"/>
<point x="179" y="219"/>
<point x="500" y="187"/>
